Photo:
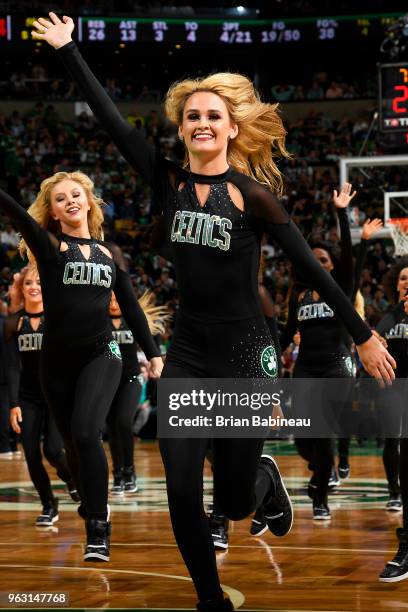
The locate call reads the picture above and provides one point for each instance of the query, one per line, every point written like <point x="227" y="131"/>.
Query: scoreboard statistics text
<point x="129" y="30"/>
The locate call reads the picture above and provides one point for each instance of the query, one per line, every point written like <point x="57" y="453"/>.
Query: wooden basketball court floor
<point x="319" y="566"/>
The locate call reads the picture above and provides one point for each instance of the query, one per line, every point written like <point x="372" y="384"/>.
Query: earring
<point x="181" y="137"/>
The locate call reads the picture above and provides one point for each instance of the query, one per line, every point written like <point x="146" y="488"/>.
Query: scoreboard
<point x="393" y="104"/>
<point x="123" y="30"/>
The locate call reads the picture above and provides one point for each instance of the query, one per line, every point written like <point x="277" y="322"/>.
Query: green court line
<point x="287" y="448"/>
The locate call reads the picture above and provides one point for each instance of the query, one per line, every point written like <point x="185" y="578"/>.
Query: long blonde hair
<point x="18" y="281"/>
<point x="155" y="315"/>
<point x="261" y="134"/>
<point x="359" y="304"/>
<point x="40" y="210"/>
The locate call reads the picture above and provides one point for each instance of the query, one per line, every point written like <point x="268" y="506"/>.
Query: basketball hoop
<point x="399" y="234"/>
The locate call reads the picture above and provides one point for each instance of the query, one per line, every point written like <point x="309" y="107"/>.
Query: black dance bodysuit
<point x="221" y="330"/>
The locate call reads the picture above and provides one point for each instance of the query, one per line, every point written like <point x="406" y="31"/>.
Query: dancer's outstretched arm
<point x="130" y="142"/>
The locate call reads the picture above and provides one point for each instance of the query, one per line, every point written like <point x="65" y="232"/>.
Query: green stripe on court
<point x="368" y="448"/>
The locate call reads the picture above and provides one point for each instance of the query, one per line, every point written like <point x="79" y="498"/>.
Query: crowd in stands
<point x="38" y="82"/>
<point x="321" y="88"/>
<point x="37" y="144"/>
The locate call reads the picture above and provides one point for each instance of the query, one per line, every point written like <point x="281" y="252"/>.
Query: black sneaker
<point x="118" y="487"/>
<point x="215" y="606"/>
<point x="321" y="512"/>
<point x="130" y="482"/>
<point x="258" y="524"/>
<point x="98" y="539"/>
<point x="397" y="569"/>
<point x="394" y="504"/>
<point x="278" y="509"/>
<point x="219" y="530"/>
<point x="49" y="515"/>
<point x="73" y="492"/>
<point x="343" y="469"/>
<point x="334" y="479"/>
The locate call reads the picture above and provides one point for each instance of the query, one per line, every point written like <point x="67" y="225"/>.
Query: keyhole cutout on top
<point x="116" y="323"/>
<point x="202" y="192"/>
<point x="85" y="250"/>
<point x="35" y="323"/>
<point x="236" y="196"/>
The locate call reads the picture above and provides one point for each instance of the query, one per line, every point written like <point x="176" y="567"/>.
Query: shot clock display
<point x="393" y="104"/>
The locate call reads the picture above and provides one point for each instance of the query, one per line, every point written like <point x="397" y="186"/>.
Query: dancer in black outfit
<point x="29" y="414"/>
<point x="216" y="213"/>
<point x="123" y="409"/>
<point x="5" y="430"/>
<point x="329" y="357"/>
<point x="369" y="229"/>
<point x="80" y="363"/>
<point x="394" y="328"/>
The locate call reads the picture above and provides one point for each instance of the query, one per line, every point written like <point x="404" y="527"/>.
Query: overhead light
<point x="241" y="9"/>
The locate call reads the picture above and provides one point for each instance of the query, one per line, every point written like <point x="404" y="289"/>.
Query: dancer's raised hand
<point x="54" y="31"/>
<point x="344" y="197"/>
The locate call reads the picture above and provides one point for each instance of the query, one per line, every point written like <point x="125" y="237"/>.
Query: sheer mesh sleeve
<point x="12" y="358"/>
<point x="272" y="218"/>
<point x="359" y="265"/>
<point x="291" y="323"/>
<point x="40" y="242"/>
<point x="117" y="255"/>
<point x="345" y="273"/>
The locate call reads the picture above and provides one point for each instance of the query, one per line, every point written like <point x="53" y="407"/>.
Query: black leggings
<point x="240" y="484"/>
<point x="403" y="475"/>
<point x="391" y="459"/>
<point x="319" y="452"/>
<point x="37" y="420"/>
<point x="343" y="448"/>
<point x="5" y="428"/>
<point x="120" y="422"/>
<point x="79" y="386"/>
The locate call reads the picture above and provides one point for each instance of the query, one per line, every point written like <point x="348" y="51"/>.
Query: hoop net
<point x="399" y="235"/>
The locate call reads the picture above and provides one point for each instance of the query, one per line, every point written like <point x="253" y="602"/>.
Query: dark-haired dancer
<point x="327" y="357"/>
<point x="80" y="363"/>
<point x="29" y="414"/>
<point x="216" y="212"/>
<point x="394" y="327"/>
<point x="369" y="229"/>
